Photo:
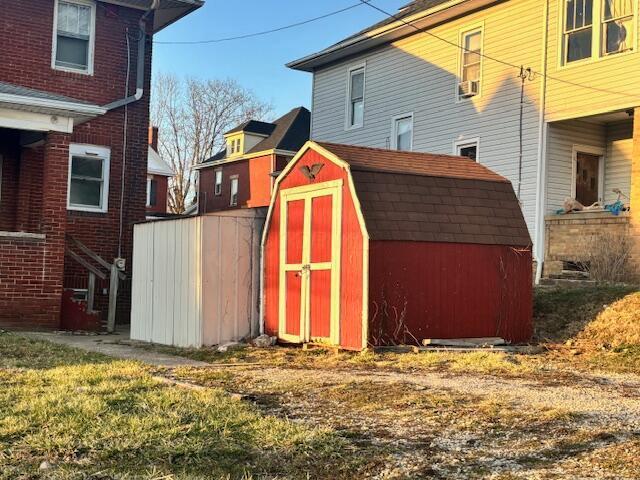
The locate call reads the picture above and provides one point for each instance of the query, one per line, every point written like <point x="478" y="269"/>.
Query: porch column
<point x="634" y="226"/>
<point x="54" y="215"/>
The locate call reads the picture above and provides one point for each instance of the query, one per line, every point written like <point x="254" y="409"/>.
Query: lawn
<point x="289" y="414"/>
<point x="92" y="417"/>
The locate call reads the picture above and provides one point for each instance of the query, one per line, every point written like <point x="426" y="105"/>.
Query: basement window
<point x="88" y="188"/>
<point x="74" y="33"/>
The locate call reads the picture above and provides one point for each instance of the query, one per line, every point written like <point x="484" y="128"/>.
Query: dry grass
<point x="617" y="325"/>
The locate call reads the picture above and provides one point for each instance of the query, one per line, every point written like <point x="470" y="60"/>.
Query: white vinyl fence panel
<point x="196" y="280"/>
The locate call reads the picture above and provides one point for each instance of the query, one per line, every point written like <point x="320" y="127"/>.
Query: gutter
<point x="142" y="43"/>
<point x="72" y="107"/>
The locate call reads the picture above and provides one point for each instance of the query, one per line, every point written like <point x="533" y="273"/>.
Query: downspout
<point x="142" y="43"/>
<point x="541" y="174"/>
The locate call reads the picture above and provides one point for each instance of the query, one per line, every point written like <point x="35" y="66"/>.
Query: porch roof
<point x="16" y="98"/>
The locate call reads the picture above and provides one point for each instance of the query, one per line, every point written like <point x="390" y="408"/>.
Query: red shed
<point x="366" y="246"/>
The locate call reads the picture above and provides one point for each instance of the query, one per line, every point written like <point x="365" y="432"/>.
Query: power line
<point x="265" y="32"/>
<point x="488" y="57"/>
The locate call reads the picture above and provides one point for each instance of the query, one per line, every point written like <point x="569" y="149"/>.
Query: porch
<point x="589" y="192"/>
<point x="33" y="188"/>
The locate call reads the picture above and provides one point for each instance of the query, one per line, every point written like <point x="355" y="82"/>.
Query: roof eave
<point x="73" y="109"/>
<point x="161" y="22"/>
<point x="388" y="33"/>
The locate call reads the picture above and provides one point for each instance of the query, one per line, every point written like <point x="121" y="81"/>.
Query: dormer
<point x="243" y="138"/>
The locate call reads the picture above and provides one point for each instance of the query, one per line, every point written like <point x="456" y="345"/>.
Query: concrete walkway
<point x="110" y="345"/>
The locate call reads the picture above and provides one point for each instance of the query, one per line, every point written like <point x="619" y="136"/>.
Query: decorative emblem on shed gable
<point x="311" y="172"/>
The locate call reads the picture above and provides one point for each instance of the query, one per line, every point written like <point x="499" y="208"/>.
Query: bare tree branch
<point x="192" y="116"/>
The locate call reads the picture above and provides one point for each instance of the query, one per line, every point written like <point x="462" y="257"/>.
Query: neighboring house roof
<point x="38" y="101"/>
<point x="419" y="14"/>
<point x="157" y="166"/>
<point x="253" y="126"/>
<point x="288" y="133"/>
<point x="407" y="196"/>
<point x="168" y="11"/>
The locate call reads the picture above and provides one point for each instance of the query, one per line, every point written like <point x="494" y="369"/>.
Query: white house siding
<point x="562" y="137"/>
<point x="618" y="161"/>
<point x="419" y="75"/>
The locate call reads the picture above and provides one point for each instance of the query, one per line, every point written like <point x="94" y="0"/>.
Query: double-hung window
<point x="403" y="132"/>
<point x="73" y="35"/>
<point x="217" y="188"/>
<point x="578" y="30"/>
<point x="233" y="200"/>
<point x="470" y="64"/>
<point x="617" y="26"/>
<point x="355" y="106"/>
<point x="597" y="28"/>
<point x="152" y="192"/>
<point x="88" y="178"/>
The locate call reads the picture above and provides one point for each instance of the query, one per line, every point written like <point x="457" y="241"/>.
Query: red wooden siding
<point x="351" y="256"/>
<point x="295" y="222"/>
<point x="321" y="221"/>
<point x="320" y="303"/>
<point x="293" y="286"/>
<point x="446" y="290"/>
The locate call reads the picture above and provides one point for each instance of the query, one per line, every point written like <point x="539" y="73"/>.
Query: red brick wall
<point x="26" y="36"/>
<point x="31" y="270"/>
<point x="254" y="187"/>
<point x="162" y="187"/>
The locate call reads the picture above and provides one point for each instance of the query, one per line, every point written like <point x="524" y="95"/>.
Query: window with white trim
<point x="469" y="149"/>
<point x="403" y="132"/>
<point x="74" y="35"/>
<point x="578" y="30"/>
<point x="597" y="28"/>
<point x="618" y="19"/>
<point x="88" y="178"/>
<point x="356" y="98"/>
<point x="152" y="192"/>
<point x="217" y="188"/>
<point x="470" y="64"/>
<point x="233" y="200"/>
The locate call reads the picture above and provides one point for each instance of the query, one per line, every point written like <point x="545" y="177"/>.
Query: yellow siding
<point x="616" y="77"/>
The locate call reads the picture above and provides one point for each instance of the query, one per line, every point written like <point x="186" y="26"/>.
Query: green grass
<point x="89" y="415"/>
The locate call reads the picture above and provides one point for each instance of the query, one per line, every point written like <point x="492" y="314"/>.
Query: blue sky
<point x="258" y="63"/>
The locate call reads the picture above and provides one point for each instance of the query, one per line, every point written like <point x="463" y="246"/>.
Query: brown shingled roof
<point x="408" y="196"/>
<point x="435" y="165"/>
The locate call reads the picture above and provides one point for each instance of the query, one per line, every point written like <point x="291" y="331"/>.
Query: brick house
<point x="73" y="144"/>
<point x="242" y="175"/>
<point x="158" y="174"/>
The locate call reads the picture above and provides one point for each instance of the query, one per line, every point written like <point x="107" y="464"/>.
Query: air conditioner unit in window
<point x="469" y="89"/>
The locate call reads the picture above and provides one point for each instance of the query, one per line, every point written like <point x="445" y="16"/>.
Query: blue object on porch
<point x="615" y="208"/>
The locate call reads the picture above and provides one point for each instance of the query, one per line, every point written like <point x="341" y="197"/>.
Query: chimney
<point x="153" y="137"/>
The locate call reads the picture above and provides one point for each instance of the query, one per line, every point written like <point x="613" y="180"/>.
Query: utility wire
<point x="488" y="57"/>
<point x="265" y="32"/>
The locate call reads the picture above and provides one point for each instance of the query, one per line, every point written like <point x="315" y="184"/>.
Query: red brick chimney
<point x="153" y="137"/>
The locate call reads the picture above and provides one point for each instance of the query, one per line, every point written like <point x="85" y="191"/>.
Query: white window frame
<point x="91" y="151"/>
<point x="149" y="191"/>
<point x="590" y="150"/>
<point x="597" y="43"/>
<point x="469" y="30"/>
<point x="234" y="179"/>
<point x="217" y="187"/>
<point x="348" y="114"/>
<point x="92" y="38"/>
<point x="394" y="130"/>
<point x="458" y="145"/>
